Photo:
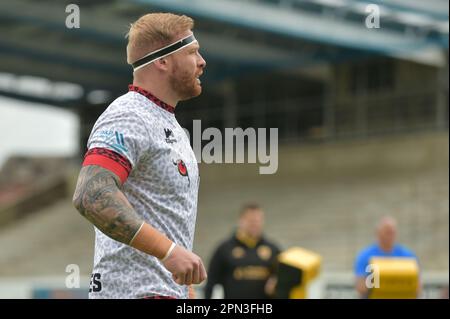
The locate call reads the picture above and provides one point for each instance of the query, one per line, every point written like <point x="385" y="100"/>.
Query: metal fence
<point x="316" y="119"/>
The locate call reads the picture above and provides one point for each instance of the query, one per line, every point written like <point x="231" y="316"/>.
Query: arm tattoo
<point x="99" y="199"/>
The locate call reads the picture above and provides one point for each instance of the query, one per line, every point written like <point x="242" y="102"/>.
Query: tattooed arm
<point x="99" y="199"/>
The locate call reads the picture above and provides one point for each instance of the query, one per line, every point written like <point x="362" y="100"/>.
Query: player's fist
<point x="186" y="267"/>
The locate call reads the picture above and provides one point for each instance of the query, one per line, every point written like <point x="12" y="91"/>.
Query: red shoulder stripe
<point x="110" y="160"/>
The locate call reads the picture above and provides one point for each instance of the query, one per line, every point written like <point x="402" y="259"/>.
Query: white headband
<point x="165" y="51"/>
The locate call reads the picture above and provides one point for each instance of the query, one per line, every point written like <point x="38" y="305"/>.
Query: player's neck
<point x="386" y="248"/>
<point x="161" y="92"/>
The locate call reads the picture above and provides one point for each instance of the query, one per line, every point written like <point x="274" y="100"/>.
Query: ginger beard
<point x="184" y="82"/>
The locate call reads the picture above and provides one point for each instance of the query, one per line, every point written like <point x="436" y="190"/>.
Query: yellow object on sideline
<point x="398" y="278"/>
<point x="297" y="268"/>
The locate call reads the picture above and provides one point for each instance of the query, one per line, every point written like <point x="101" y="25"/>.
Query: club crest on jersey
<point x="170" y="138"/>
<point x="238" y="252"/>
<point x="182" y="169"/>
<point x="264" y="252"/>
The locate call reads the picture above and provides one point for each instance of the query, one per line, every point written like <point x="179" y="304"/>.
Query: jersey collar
<point x="246" y="240"/>
<point x="151" y="97"/>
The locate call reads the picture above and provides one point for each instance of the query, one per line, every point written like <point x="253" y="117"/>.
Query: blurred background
<point x="362" y="115"/>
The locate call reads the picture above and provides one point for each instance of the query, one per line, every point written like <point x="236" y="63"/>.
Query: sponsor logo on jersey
<point x="170" y="138"/>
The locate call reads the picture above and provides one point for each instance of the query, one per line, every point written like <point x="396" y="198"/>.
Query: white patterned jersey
<point x="138" y="138"/>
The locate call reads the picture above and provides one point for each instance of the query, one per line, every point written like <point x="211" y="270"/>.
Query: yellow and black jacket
<point x="242" y="266"/>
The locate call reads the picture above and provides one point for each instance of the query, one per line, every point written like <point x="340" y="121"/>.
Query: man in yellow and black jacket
<point x="245" y="264"/>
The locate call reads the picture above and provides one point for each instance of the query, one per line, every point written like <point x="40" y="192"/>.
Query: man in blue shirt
<point x="385" y="247"/>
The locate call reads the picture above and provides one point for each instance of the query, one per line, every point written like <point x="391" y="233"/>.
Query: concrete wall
<point x="328" y="197"/>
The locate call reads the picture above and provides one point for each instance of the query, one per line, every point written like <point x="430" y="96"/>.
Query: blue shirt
<point x="375" y="251"/>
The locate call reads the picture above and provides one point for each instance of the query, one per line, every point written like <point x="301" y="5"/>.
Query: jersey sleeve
<point x="274" y="259"/>
<point x="117" y="142"/>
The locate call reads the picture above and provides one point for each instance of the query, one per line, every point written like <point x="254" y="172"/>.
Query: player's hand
<point x="186" y="267"/>
<point x="270" y="286"/>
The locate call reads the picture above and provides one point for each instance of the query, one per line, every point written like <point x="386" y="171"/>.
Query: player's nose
<point x="201" y="61"/>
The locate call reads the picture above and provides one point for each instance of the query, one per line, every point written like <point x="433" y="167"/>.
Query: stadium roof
<point x="236" y="37"/>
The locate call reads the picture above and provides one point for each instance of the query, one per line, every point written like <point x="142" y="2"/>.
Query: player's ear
<point x="161" y="64"/>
